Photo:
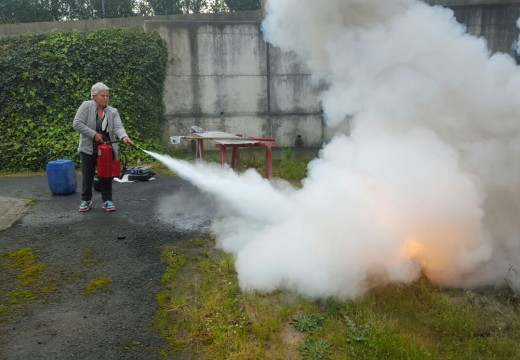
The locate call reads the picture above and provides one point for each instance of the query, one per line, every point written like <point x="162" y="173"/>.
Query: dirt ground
<point x="123" y="246"/>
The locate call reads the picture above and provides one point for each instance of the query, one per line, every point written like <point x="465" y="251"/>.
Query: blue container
<point x="61" y="176"/>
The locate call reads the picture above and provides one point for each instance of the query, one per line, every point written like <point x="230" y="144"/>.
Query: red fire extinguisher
<point x="107" y="165"/>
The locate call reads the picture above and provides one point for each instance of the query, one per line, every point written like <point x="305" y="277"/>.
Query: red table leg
<point x="235" y="157"/>
<point x="199" y="154"/>
<point x="268" y="161"/>
<point x="223" y="154"/>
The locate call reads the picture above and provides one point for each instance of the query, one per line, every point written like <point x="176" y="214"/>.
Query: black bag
<point x="141" y="177"/>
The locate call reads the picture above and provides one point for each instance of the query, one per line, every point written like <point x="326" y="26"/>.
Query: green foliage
<point x="23" y="279"/>
<point x="308" y="322"/>
<point x="12" y="11"/>
<point x="292" y="170"/>
<point x="315" y="349"/>
<point x="358" y="333"/>
<point x="21" y="11"/>
<point x="202" y="309"/>
<point x="240" y="5"/>
<point x="172" y="7"/>
<point x="96" y="285"/>
<point x="45" y="77"/>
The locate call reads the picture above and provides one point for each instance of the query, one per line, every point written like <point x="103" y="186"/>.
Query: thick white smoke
<point x="429" y="178"/>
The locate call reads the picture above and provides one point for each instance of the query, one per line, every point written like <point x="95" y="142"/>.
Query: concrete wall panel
<point x="285" y="62"/>
<point x="231" y="50"/>
<point x="179" y="95"/>
<point x="179" y="49"/>
<point x="291" y="85"/>
<point x="497" y="24"/>
<point x="294" y="93"/>
<point x="286" y="128"/>
<point x="231" y="94"/>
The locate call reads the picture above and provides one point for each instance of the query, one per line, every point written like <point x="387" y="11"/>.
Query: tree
<point x="165" y="7"/>
<point x="77" y="10"/>
<point x="241" y="5"/>
<point x="16" y="11"/>
<point x="172" y="7"/>
<point x="119" y="8"/>
<point x="95" y="9"/>
<point x="20" y="11"/>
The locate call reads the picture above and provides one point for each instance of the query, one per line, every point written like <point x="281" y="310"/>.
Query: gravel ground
<point x="124" y="246"/>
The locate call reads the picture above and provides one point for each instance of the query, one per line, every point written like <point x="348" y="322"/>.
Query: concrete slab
<point x="11" y="209"/>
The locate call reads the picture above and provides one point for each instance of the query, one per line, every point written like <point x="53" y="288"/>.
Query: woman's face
<point x="101" y="98"/>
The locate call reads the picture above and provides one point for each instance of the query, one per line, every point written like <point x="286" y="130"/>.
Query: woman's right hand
<point x="98" y="138"/>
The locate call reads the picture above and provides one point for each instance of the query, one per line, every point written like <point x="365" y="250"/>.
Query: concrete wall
<point x="495" y="20"/>
<point x="223" y="76"/>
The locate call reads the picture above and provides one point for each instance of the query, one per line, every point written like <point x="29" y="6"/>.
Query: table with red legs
<point x="225" y="140"/>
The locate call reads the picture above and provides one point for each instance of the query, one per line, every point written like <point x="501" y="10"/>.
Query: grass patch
<point x="285" y="166"/>
<point x="97" y="285"/>
<point x="23" y="279"/>
<point x="89" y="258"/>
<point x="203" y="312"/>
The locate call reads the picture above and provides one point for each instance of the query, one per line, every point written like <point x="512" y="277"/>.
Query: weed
<point x="23" y="279"/>
<point x="21" y="258"/>
<point x="175" y="261"/>
<point x="308" y="322"/>
<point x="134" y="345"/>
<point x="287" y="154"/>
<point x="513" y="279"/>
<point x="359" y="334"/>
<point x="99" y="284"/>
<point x="88" y="256"/>
<point x="291" y="170"/>
<point x="16" y="297"/>
<point x="316" y="349"/>
<point x="4" y="311"/>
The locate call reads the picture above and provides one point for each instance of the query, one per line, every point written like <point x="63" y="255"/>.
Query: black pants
<point x="88" y="170"/>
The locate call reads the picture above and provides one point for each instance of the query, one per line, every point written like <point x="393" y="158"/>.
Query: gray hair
<point x="97" y="87"/>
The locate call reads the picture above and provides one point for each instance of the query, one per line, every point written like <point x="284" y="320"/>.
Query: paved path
<point x="124" y="246"/>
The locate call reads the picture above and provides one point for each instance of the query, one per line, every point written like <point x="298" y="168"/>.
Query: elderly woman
<point x="97" y="123"/>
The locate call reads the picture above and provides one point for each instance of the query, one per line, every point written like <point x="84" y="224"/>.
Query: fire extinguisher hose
<point x="125" y="162"/>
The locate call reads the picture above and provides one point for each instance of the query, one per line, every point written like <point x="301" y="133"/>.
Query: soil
<point x="123" y="246"/>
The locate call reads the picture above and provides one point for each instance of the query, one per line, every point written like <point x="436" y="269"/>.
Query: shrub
<point x="45" y="77"/>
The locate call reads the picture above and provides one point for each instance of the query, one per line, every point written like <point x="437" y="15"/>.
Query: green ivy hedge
<point x="45" y="77"/>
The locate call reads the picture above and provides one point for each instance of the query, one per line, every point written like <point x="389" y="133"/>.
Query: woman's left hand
<point x="127" y="141"/>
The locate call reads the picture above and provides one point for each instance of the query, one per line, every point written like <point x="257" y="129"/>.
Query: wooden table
<point x="225" y="140"/>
